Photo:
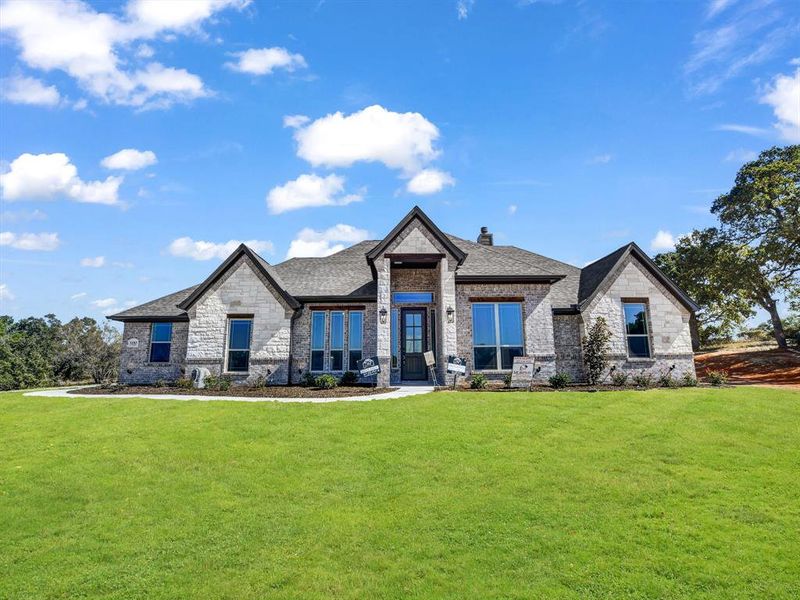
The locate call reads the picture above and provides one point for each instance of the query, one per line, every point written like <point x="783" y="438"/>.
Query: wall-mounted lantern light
<point x="451" y="314"/>
<point x="383" y="314"/>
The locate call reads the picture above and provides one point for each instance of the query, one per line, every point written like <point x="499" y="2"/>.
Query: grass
<point x="665" y="493"/>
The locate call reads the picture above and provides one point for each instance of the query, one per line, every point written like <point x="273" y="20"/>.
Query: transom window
<point x="160" y="342"/>
<point x="496" y="334"/>
<point x="412" y="297"/>
<point x="636" y="329"/>
<point x="239" y="335"/>
<point x="337" y="340"/>
<point x="318" y="341"/>
<point x="355" y="339"/>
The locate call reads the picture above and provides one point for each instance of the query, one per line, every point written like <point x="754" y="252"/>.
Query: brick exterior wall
<point x="135" y="366"/>
<point x="567" y="337"/>
<point x="301" y="337"/>
<point x="241" y="291"/>
<point x="537" y="316"/>
<point x="668" y="320"/>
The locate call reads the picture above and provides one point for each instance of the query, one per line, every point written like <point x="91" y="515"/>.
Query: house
<point x="418" y="289"/>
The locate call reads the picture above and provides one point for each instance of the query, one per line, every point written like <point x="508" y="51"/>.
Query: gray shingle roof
<point x="592" y="275"/>
<point x="164" y="307"/>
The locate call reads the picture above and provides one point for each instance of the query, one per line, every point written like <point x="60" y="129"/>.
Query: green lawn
<point x="658" y="494"/>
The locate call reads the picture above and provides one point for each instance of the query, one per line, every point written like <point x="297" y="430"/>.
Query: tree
<point x="596" y="349"/>
<point x="760" y="218"/>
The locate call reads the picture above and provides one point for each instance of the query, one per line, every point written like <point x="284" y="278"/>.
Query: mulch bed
<point x="776" y="367"/>
<point x="276" y="391"/>
<point x="546" y="388"/>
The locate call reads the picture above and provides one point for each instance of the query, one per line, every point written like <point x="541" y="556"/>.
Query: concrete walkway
<point x="401" y="392"/>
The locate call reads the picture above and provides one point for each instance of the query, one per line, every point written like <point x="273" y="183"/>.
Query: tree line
<point x="751" y="258"/>
<point x="37" y="352"/>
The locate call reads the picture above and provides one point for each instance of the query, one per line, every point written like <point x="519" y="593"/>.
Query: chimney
<point x="486" y="238"/>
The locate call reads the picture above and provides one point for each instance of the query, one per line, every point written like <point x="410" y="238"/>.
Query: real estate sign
<point x="369" y="366"/>
<point x="522" y="372"/>
<point x="456" y="364"/>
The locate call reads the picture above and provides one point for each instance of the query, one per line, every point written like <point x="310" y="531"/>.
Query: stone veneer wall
<point x="301" y="337"/>
<point x="670" y="336"/>
<point x="135" y="365"/>
<point x="537" y="315"/>
<point x="241" y="291"/>
<point x="567" y="336"/>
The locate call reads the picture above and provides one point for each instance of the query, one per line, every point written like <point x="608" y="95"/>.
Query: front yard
<point x="663" y="493"/>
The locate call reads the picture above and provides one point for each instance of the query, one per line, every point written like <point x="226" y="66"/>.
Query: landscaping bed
<point x="272" y="391"/>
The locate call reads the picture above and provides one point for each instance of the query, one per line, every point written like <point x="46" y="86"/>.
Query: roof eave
<point x="508" y="278"/>
<point x="149" y="319"/>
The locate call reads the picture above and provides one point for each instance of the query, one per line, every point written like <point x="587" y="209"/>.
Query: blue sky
<point x="568" y="128"/>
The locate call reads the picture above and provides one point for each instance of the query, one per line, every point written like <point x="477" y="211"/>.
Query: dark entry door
<point x="412" y="344"/>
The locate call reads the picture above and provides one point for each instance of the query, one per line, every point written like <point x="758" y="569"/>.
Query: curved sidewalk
<point x="400" y="392"/>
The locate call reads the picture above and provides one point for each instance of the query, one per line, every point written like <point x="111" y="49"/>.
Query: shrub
<point x="348" y="378"/>
<point x="717" y="378"/>
<point x="159" y="383"/>
<point x="478" y="381"/>
<point x="559" y="380"/>
<point x="507" y="380"/>
<point x="688" y="380"/>
<point x="218" y="384"/>
<point x="595" y="350"/>
<point x="619" y="378"/>
<point x="326" y="382"/>
<point x="308" y="379"/>
<point x="184" y="383"/>
<point x="643" y="379"/>
<point x="260" y="382"/>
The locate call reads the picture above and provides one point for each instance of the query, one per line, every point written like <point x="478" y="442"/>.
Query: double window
<point x="355" y="339"/>
<point x="496" y="334"/>
<point x="637" y="333"/>
<point x="336" y="340"/>
<point x="239" y="335"/>
<point x="160" y="342"/>
<point x="318" y="319"/>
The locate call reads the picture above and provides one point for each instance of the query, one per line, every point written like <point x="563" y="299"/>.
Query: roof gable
<point x="260" y="264"/>
<point x="438" y="235"/>
<point x="595" y="275"/>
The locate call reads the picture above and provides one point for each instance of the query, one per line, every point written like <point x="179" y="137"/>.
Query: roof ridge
<point x="494" y="250"/>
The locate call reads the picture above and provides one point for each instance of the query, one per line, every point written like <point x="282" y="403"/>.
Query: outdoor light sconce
<point x="383" y="316"/>
<point x="451" y="314"/>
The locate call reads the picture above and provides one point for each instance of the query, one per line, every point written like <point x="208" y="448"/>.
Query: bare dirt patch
<point x="770" y="367"/>
<point x="282" y="391"/>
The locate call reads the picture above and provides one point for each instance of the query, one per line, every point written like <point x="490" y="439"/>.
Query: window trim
<point x="625" y="335"/>
<point x="312" y="349"/>
<point x="350" y="338"/>
<point x="228" y="349"/>
<point x="498" y="346"/>
<point x="168" y="343"/>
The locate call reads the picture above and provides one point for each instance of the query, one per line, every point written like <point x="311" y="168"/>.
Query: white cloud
<point x="295" y="121"/>
<point x="746" y="129"/>
<point x="512" y="209"/>
<point x="29" y="90"/>
<point x="664" y="241"/>
<point x="145" y="51"/>
<point x="104" y="302"/>
<point x="30" y="241"/>
<point x="783" y="95"/>
<point x="310" y="242"/>
<point x="429" y="181"/>
<point x="130" y="159"/>
<point x="263" y="61"/>
<point x="398" y="140"/>
<point x="93" y="47"/>
<point x="463" y="7"/>
<point x="8" y="216"/>
<point x="45" y="176"/>
<point x="717" y="6"/>
<point x="740" y="155"/>
<point x="78" y="296"/>
<point x="600" y="159"/>
<point x="5" y="293"/>
<point x="186" y="247"/>
<point x="94" y="262"/>
<point x="309" y="190"/>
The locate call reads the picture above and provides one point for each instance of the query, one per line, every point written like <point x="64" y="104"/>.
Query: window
<point x="433" y="332"/>
<point x="496" y="335"/>
<point x="412" y="297"/>
<point x="395" y="335"/>
<point x="239" y="331"/>
<point x="636" y="330"/>
<point x="337" y="340"/>
<point x="355" y="339"/>
<point x="160" y="342"/>
<point x="317" y="341"/>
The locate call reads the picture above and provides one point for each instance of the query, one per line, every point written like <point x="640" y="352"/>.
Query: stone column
<point x="448" y="331"/>
<point x="384" y="267"/>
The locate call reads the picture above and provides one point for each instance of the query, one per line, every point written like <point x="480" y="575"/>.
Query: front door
<point x="413" y="336"/>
